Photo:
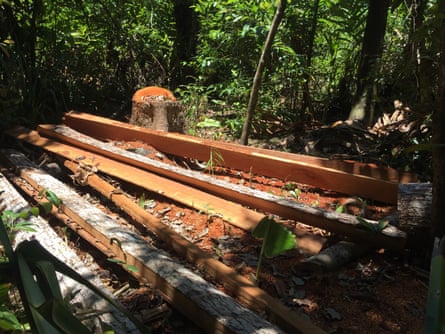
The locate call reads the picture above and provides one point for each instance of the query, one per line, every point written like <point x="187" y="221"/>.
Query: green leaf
<point x="277" y="238"/>
<point x="141" y="202"/>
<point x="52" y="197"/>
<point x="127" y="266"/>
<point x="47" y="206"/>
<point x="4" y="289"/>
<point x="31" y="252"/>
<point x="209" y="123"/>
<point x="340" y="209"/>
<point x="8" y="321"/>
<point x="35" y="211"/>
<point x="373" y="227"/>
<point x="23" y="214"/>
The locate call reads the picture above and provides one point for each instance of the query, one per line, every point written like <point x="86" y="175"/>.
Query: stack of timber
<point x="82" y="143"/>
<point x="199" y="300"/>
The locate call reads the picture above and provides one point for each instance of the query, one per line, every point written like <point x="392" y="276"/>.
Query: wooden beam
<point x="201" y="302"/>
<point x="233" y="213"/>
<point x="238" y="286"/>
<point x="341" y="223"/>
<point x="352" y="178"/>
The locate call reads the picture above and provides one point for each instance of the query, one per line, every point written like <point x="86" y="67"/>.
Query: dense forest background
<point x="330" y="60"/>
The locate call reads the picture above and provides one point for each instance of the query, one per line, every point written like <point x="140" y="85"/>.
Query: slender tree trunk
<point x="307" y="98"/>
<point x="187" y="27"/>
<point x="279" y="13"/>
<point x="439" y="141"/>
<point x="415" y="69"/>
<point x="372" y="49"/>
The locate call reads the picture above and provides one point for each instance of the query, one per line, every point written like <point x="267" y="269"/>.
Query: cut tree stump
<point x="157" y="114"/>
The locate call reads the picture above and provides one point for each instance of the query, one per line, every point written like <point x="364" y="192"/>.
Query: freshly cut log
<point x="348" y="177"/>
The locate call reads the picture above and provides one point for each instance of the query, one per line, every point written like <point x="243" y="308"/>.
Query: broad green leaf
<point x="24" y="226"/>
<point x="33" y="252"/>
<point x="8" y="321"/>
<point x="4" y="289"/>
<point x="57" y="313"/>
<point x="23" y="214"/>
<point x="277" y="238"/>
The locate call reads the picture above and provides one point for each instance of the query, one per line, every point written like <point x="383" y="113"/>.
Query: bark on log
<point x="336" y="256"/>
<point x="80" y="299"/>
<point x="162" y="115"/>
<point x="183" y="288"/>
<point x="414" y="209"/>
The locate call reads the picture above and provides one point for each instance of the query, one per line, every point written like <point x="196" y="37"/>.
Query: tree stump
<point x="158" y="114"/>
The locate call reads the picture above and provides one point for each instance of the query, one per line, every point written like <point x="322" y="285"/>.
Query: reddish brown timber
<point x="233" y="213"/>
<point x="344" y="224"/>
<point x="211" y="309"/>
<point x="353" y="178"/>
<point x="238" y="286"/>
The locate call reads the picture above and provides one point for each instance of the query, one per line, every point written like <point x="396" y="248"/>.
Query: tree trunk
<point x="307" y="98"/>
<point x="415" y="71"/>
<point x="187" y="27"/>
<point x="372" y="49"/>
<point x="439" y="140"/>
<point x="279" y="13"/>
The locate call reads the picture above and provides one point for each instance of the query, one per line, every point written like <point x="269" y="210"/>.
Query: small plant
<point x="215" y="160"/>
<point x="340" y="208"/>
<point x="295" y="193"/>
<point x="144" y="203"/>
<point x="15" y="222"/>
<point x="379" y="227"/>
<point x="292" y="189"/>
<point x="124" y="261"/>
<point x="276" y="240"/>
